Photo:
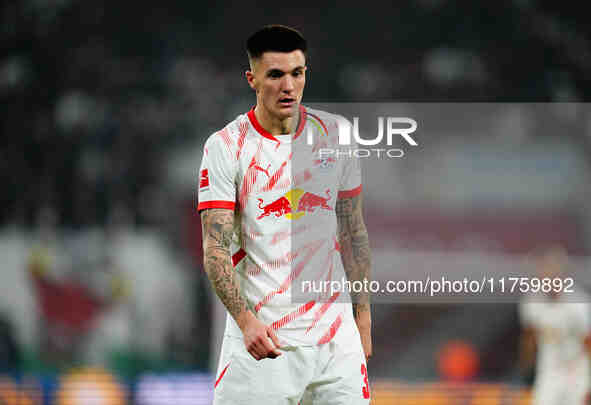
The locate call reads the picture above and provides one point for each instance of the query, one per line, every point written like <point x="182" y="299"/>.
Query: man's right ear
<point x="250" y="79"/>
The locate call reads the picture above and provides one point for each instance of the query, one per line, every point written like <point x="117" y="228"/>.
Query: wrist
<point x="363" y="320"/>
<point x="244" y="318"/>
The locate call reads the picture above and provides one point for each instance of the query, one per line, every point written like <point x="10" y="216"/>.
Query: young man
<point x="557" y="325"/>
<point x="275" y="214"/>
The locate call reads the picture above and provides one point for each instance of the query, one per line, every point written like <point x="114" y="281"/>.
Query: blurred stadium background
<point x="106" y="105"/>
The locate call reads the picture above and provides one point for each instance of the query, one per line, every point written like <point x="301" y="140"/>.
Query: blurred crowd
<point x="106" y="105"/>
<point x="98" y="97"/>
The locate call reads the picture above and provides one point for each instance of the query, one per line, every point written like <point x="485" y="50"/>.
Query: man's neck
<point x="273" y="125"/>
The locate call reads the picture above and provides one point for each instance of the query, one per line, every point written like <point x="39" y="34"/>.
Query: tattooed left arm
<point x="356" y="257"/>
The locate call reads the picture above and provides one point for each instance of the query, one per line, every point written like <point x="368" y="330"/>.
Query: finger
<point x="269" y="348"/>
<point x="254" y="354"/>
<point x="274" y="337"/>
<point x="249" y="349"/>
<point x="274" y="352"/>
<point x="265" y="350"/>
<point x="270" y="351"/>
<point x="272" y="355"/>
<point x="260" y="350"/>
<point x="257" y="350"/>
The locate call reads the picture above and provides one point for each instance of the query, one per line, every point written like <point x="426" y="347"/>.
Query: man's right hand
<point x="260" y="340"/>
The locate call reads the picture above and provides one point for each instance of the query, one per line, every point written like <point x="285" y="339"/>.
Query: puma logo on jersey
<point x="266" y="171"/>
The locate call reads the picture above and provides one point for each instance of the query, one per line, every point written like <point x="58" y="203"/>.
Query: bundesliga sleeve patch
<point x="204" y="179"/>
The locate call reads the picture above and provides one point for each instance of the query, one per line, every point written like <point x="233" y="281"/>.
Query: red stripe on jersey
<point x="322" y="310"/>
<point x="216" y="204"/>
<point x="312" y="249"/>
<point x="250" y="177"/>
<point x="302" y="122"/>
<point x="284" y="184"/>
<point x="226" y="138"/>
<point x="274" y="178"/>
<point x="251" y="232"/>
<point x="242" y="130"/>
<point x="350" y="193"/>
<point x="298" y="180"/>
<point x="252" y="269"/>
<point x="327" y="264"/>
<point x="239" y="255"/>
<point x="327" y="337"/>
<point x="282" y="261"/>
<point x="293" y="315"/>
<point x="221" y="375"/>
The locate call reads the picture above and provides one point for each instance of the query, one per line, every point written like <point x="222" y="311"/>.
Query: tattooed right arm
<point x="260" y="340"/>
<point x="218" y="227"/>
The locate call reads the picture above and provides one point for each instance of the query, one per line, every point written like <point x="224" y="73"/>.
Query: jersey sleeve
<point x="350" y="184"/>
<point x="217" y="173"/>
<point x="585" y="315"/>
<point x="526" y="317"/>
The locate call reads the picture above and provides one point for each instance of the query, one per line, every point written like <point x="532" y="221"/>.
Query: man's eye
<point x="297" y="73"/>
<point x="275" y="75"/>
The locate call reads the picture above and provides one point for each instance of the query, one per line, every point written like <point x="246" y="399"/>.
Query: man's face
<point x="279" y="79"/>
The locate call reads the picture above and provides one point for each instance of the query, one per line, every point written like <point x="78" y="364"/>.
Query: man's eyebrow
<point x="277" y="70"/>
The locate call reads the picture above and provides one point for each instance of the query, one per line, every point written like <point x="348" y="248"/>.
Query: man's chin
<point x="288" y="112"/>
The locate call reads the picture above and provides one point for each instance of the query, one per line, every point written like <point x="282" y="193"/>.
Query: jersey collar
<point x="259" y="128"/>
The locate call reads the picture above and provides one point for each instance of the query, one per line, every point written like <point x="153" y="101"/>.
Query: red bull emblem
<point x="310" y="201"/>
<point x="295" y="204"/>
<point x="278" y="207"/>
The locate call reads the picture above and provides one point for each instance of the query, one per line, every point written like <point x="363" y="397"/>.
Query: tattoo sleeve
<point x="355" y="252"/>
<point x="218" y="228"/>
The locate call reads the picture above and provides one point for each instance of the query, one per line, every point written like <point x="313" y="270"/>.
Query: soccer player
<point x="557" y="325"/>
<point x="275" y="212"/>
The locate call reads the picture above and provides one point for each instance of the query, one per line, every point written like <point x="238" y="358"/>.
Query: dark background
<point x="106" y="104"/>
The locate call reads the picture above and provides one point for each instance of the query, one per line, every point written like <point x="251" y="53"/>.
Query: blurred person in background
<point x="10" y="356"/>
<point x="275" y="350"/>
<point x="556" y="335"/>
<point x="75" y="290"/>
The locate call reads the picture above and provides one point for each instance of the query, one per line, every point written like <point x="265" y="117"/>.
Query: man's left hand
<point x="364" y="326"/>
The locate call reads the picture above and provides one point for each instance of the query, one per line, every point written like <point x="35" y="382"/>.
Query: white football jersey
<point x="283" y="191"/>
<point x="561" y="326"/>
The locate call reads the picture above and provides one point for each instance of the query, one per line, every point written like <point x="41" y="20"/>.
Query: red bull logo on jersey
<point x="279" y="207"/>
<point x="295" y="204"/>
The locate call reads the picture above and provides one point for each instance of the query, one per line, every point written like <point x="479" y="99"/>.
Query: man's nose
<point x="287" y="84"/>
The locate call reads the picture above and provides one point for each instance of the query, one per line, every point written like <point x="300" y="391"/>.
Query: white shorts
<point x="325" y="374"/>
<point x="556" y="389"/>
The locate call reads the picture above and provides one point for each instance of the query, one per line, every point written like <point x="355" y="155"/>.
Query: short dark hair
<point x="275" y="38"/>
